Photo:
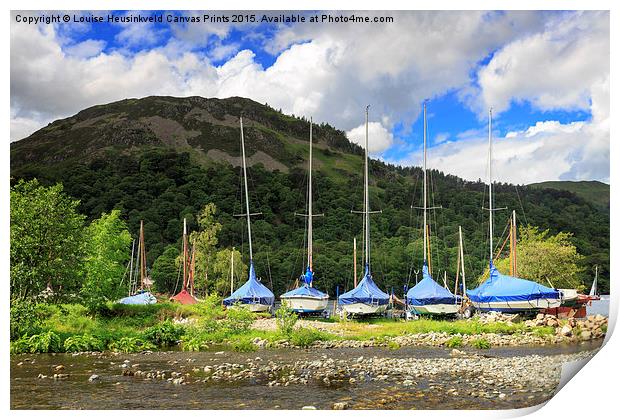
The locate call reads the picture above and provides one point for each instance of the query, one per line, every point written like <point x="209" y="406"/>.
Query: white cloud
<point x="552" y="69"/>
<point x="86" y="49"/>
<point x="379" y="138"/>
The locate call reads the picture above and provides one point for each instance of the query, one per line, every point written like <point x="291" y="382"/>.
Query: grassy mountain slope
<point x="594" y="192"/>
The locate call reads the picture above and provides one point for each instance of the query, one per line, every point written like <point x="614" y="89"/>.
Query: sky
<point x="544" y="74"/>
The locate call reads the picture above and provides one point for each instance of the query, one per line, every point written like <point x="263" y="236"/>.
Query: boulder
<point x="340" y="406"/>
<point x="566" y="331"/>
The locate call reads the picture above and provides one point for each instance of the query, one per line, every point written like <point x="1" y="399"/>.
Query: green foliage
<point x="130" y="345"/>
<point x="165" y="333"/>
<point x="244" y="345"/>
<point x="305" y="337"/>
<point x="84" y="342"/>
<point x="219" y="276"/>
<point x="480" y="343"/>
<point x="21" y="345"/>
<point x="393" y="345"/>
<point x="239" y="319"/>
<point x="205" y="241"/>
<point x="285" y="319"/>
<point x="165" y="272"/>
<point x="46" y="241"/>
<point x="24" y="319"/>
<point x="193" y="342"/>
<point x="107" y="252"/>
<point x="543" y="331"/>
<point x="45" y="342"/>
<point x="551" y="260"/>
<point x="454" y="342"/>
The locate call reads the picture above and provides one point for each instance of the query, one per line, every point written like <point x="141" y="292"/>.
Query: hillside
<point x="594" y="192"/>
<point x="161" y="159"/>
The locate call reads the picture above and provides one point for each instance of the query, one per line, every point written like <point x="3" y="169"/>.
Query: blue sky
<point x="546" y="75"/>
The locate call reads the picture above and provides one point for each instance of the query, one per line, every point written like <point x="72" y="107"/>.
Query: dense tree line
<point x="163" y="187"/>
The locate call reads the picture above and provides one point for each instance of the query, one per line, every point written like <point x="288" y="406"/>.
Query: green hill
<point x="594" y="192"/>
<point x="160" y="159"/>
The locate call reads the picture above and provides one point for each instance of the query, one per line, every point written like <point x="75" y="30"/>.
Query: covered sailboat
<point x="252" y="294"/>
<point x="366" y="298"/>
<point x="428" y="297"/>
<point x="307" y="299"/>
<point x="186" y="295"/>
<point x="506" y="293"/>
<point x="139" y="294"/>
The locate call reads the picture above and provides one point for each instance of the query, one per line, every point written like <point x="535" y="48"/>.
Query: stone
<point x="566" y="331"/>
<point x="59" y="368"/>
<point x="340" y="406"/>
<point x="93" y="378"/>
<point x="308" y="407"/>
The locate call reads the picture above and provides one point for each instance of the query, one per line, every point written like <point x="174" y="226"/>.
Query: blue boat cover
<point x="305" y="289"/>
<point x="141" y="298"/>
<point x="365" y="292"/>
<point x="501" y="288"/>
<point x="252" y="291"/>
<point x="429" y="292"/>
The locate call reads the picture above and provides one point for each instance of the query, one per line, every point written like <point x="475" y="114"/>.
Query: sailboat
<point x="139" y="295"/>
<point x="252" y="294"/>
<point x="504" y="293"/>
<point x="366" y="298"/>
<point x="594" y="294"/>
<point x="428" y="296"/>
<point x="307" y="299"/>
<point x="186" y="295"/>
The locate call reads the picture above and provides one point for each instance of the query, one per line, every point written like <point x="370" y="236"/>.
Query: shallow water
<point x="114" y="391"/>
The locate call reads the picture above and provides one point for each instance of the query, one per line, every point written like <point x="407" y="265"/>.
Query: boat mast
<point x="245" y="184"/>
<point x="462" y="260"/>
<point x="354" y="262"/>
<point x="425" y="193"/>
<point x="133" y="246"/>
<point x="514" y="243"/>
<point x="184" y="253"/>
<point x="310" y="203"/>
<point x="593" y="291"/>
<point x="366" y="201"/>
<point x="192" y="270"/>
<point x="232" y="270"/>
<point x="490" y="191"/>
<point x="142" y="255"/>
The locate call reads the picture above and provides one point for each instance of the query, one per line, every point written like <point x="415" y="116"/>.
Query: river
<point x="409" y="377"/>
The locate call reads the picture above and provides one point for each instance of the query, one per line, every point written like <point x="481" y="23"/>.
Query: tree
<point x="165" y="272"/>
<point x="220" y="271"/>
<point x="549" y="260"/>
<point x="46" y="241"/>
<point x="107" y="253"/>
<point x="204" y="241"/>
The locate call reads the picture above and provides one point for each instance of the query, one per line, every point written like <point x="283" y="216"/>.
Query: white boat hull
<point x="256" y="307"/>
<point x="438" y="309"/>
<point x="363" y="309"/>
<point x="305" y="304"/>
<point x="518" y="305"/>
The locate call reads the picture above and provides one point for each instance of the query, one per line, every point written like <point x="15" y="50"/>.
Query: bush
<point x="46" y="342"/>
<point x="193" y="343"/>
<point x="130" y="345"/>
<point x="84" y="342"/>
<point x="238" y="319"/>
<point x="164" y="334"/>
<point x="244" y="345"/>
<point x="25" y="319"/>
<point x="481" y="343"/>
<point x="285" y="320"/>
<point x="393" y="345"/>
<point x="21" y="345"/>
<point x="454" y="342"/>
<point x="304" y="337"/>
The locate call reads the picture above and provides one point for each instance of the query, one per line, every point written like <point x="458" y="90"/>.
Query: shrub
<point x="45" y="342"/>
<point x="480" y="343"/>
<point x="393" y="345"/>
<point x="165" y="333"/>
<point x="238" y="319"/>
<point x="21" y="345"/>
<point x="285" y="320"/>
<point x="84" y="342"/>
<point x="25" y="319"/>
<point x="304" y="337"/>
<point x="130" y="345"/>
<point x="193" y="343"/>
<point x="244" y="345"/>
<point x="454" y="342"/>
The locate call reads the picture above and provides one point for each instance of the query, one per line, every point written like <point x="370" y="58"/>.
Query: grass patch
<point x="454" y="342"/>
<point x="305" y="337"/>
<point x="480" y="343"/>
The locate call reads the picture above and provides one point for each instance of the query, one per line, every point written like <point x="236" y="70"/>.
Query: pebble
<point x="93" y="378"/>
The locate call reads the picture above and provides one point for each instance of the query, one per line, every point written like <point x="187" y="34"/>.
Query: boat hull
<point x="256" y="307"/>
<point x="363" y="309"/>
<point x="518" y="305"/>
<point x="437" y="309"/>
<point x="306" y="304"/>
